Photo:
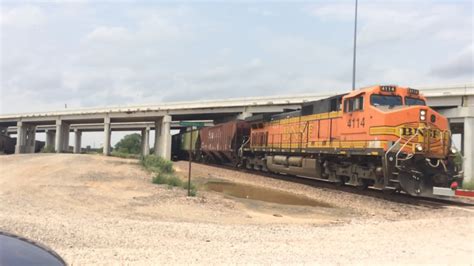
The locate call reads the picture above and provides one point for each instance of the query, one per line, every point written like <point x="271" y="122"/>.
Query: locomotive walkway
<point x="455" y="102"/>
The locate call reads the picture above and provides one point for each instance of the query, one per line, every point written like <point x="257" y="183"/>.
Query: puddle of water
<point x="262" y="194"/>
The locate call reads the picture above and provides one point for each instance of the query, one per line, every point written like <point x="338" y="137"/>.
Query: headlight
<point x="419" y="148"/>
<point x="454" y="150"/>
<point x="422" y="117"/>
<point x="422" y="112"/>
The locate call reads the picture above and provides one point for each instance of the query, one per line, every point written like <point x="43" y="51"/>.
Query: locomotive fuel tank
<point x="294" y="165"/>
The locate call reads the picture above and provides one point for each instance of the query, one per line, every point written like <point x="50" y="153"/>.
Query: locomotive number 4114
<point x="356" y="122"/>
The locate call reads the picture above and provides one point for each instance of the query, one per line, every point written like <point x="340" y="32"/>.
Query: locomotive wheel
<point x="364" y="185"/>
<point x="340" y="181"/>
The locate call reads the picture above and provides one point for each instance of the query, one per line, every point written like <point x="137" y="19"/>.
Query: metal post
<point x="355" y="46"/>
<point x="190" y="154"/>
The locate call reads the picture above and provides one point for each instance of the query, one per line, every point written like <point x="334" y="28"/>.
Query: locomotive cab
<point x="413" y="139"/>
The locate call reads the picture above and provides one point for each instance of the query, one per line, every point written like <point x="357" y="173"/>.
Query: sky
<point x="100" y="53"/>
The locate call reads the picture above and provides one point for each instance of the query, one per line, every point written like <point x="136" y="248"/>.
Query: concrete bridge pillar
<point x="164" y="146"/>
<point x="146" y="141"/>
<point x="62" y="136"/>
<point x="157" y="137"/>
<point x="26" y="138"/>
<point x="30" y="139"/>
<point x="65" y="131"/>
<point x="77" y="140"/>
<point x="107" y="133"/>
<point x="59" y="136"/>
<point x="50" y="136"/>
<point x="468" y="148"/>
<point x="20" y="138"/>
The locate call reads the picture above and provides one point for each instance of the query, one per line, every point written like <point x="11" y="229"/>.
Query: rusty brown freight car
<point x="220" y="143"/>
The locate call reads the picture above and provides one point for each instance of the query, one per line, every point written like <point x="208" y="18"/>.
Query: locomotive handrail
<point x="393" y="145"/>
<point x="398" y="153"/>
<point x="386" y="159"/>
<point x="241" y="149"/>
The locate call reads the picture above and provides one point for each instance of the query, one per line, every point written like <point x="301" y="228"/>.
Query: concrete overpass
<point x="160" y="117"/>
<point x="456" y="102"/>
<point x="143" y="127"/>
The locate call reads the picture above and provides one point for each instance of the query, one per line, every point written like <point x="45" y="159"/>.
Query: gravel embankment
<point x="97" y="210"/>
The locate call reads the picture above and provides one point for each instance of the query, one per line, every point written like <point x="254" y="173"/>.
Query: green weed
<point x="125" y="155"/>
<point x="468" y="185"/>
<point x="157" y="164"/>
<point x="164" y="173"/>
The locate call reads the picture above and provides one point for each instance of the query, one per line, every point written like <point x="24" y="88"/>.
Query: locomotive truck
<point x="380" y="136"/>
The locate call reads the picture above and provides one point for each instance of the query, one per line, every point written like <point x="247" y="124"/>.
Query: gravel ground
<point x="99" y="210"/>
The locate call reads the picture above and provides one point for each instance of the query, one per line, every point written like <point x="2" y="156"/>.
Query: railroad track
<point x="401" y="197"/>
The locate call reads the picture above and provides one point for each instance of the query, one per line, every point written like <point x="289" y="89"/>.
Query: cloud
<point x="389" y="21"/>
<point x="108" y="35"/>
<point x="22" y="16"/>
<point x="265" y="12"/>
<point x="90" y="54"/>
<point x="461" y="65"/>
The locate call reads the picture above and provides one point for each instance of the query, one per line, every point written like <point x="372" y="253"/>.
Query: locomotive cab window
<point x="354" y="104"/>
<point x="385" y="100"/>
<point x="414" y="101"/>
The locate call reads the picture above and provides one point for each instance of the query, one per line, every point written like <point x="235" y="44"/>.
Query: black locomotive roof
<point x="286" y="115"/>
<point x="258" y="118"/>
<point x="326" y="105"/>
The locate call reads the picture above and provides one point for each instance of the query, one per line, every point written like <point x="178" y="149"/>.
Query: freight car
<point x="380" y="136"/>
<point x="221" y="143"/>
<point x="181" y="145"/>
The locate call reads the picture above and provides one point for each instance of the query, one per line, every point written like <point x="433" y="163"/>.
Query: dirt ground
<point x="100" y="210"/>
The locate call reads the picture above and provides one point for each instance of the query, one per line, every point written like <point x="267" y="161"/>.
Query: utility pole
<point x="191" y="126"/>
<point x="190" y="154"/>
<point x="355" y="48"/>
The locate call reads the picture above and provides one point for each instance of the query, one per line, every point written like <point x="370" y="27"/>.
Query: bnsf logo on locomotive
<point x="410" y="131"/>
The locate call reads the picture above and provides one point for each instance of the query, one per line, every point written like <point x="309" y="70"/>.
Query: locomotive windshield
<point x="385" y="100"/>
<point x="414" y="101"/>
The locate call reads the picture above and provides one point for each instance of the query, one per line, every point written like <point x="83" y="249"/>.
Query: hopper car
<point x="380" y="136"/>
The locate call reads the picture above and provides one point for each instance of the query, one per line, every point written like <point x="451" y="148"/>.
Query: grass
<point x="468" y="185"/>
<point x="192" y="190"/>
<point x="157" y="164"/>
<point x="458" y="160"/>
<point x="164" y="173"/>
<point x="48" y="149"/>
<point x="125" y="155"/>
<point x="168" y="179"/>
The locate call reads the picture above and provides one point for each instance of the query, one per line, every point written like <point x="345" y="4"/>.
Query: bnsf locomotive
<point x="381" y="136"/>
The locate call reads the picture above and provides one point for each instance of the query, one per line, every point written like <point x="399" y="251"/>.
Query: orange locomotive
<point x="383" y="136"/>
